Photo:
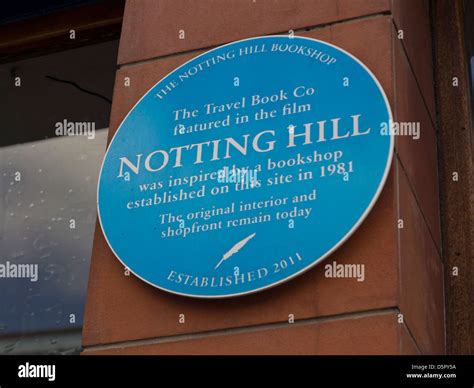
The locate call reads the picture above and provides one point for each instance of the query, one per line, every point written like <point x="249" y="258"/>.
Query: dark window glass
<point x="55" y="111"/>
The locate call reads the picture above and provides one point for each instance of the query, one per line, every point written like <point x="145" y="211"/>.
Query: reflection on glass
<point x="47" y="218"/>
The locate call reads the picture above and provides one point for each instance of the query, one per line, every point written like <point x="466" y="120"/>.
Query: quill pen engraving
<point x="232" y="251"/>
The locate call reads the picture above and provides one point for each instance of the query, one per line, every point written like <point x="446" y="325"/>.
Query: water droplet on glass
<point x="8" y="348"/>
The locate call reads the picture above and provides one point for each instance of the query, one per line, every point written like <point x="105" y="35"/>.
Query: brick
<point x="369" y="41"/>
<point x="358" y="38"/>
<point x="412" y="16"/>
<point x="123" y="308"/>
<point x="142" y="78"/>
<point x="421" y="276"/>
<point x="407" y="343"/>
<point x="151" y="28"/>
<point x="369" y="334"/>
<point x="418" y="157"/>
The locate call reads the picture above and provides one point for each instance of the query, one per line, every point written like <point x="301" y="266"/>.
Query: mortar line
<point x="242" y="329"/>
<point x="298" y="30"/>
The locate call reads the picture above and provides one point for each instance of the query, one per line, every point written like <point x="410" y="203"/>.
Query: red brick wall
<point x="404" y="274"/>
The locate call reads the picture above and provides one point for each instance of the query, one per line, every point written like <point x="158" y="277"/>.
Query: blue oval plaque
<point x="245" y="166"/>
